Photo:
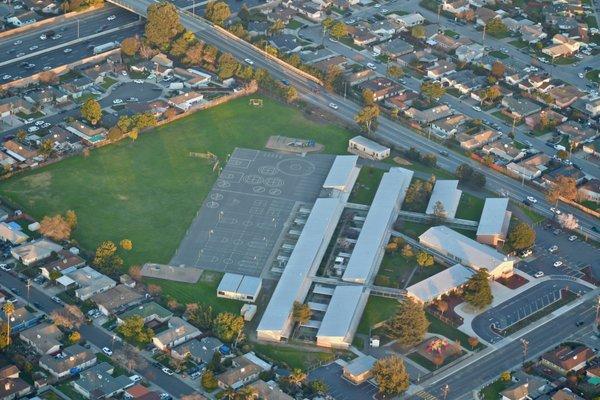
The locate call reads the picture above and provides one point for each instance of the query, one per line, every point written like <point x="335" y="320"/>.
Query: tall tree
<point x="162" y="24"/>
<point x="439" y="211"/>
<point x="391" y="376"/>
<point x="91" y="111"/>
<point x="432" y="90"/>
<point x="418" y="31"/>
<point x="498" y="69"/>
<point x="339" y="30"/>
<point x="228" y="326"/>
<point x="477" y="291"/>
<point x="425" y="259"/>
<point x="395" y="71"/>
<point x="135" y="330"/>
<point x="410" y="323"/>
<point x="301" y="312"/>
<point x="55" y="227"/>
<point x="217" y="12"/>
<point x="367" y="117"/>
<point x="71" y="218"/>
<point x="106" y="258"/>
<point x="9" y="310"/>
<point x="521" y="236"/>
<point x="563" y="186"/>
<point x="130" y="46"/>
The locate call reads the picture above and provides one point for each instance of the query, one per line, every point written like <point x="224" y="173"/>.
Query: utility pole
<point x="525" y="345"/>
<point x="483" y="36"/>
<point x="438" y="16"/>
<point x="28" y="289"/>
<point x="78" y="29"/>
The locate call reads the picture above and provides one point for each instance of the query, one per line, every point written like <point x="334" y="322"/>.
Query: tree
<point x="209" y="382"/>
<point x="162" y="25"/>
<point x="442" y="306"/>
<point x="505" y="376"/>
<point x="391" y="376"/>
<point x="227" y="66"/>
<point x="291" y="94"/>
<point x="565" y="187"/>
<point x="200" y="315"/>
<point x="467" y="175"/>
<point x="74" y="337"/>
<point x="368" y="97"/>
<point x="407" y="251"/>
<point x="425" y="259"/>
<point x="194" y="54"/>
<point x="339" y="30"/>
<point x="114" y="134"/>
<point x="134" y="330"/>
<point x="437" y="360"/>
<point x="439" y="211"/>
<point x="367" y="116"/>
<point x="522" y="236"/>
<point x="135" y="272"/>
<point x="106" y="258"/>
<point x="68" y="317"/>
<point x="228" y="326"/>
<point x="55" y="227"/>
<point x="277" y="26"/>
<point x="432" y="90"/>
<point x="4" y="335"/>
<point x="492" y="93"/>
<point x="395" y="71"/>
<point x="498" y="69"/>
<point x="153" y="289"/>
<point x="327" y="23"/>
<point x="473" y="341"/>
<point x="477" y="291"/>
<point x="418" y="32"/>
<point x="71" y="218"/>
<point x="409" y="324"/>
<point x="319" y="387"/>
<point x="133" y="134"/>
<point x="9" y="310"/>
<point x="130" y="46"/>
<point x="54" y="275"/>
<point x="495" y="27"/>
<point x="568" y="221"/>
<point x="126" y="244"/>
<point x="217" y="12"/>
<point x="47" y="77"/>
<point x="21" y="135"/>
<point x="91" y="111"/>
<point x="301" y="312"/>
<point x="297" y="377"/>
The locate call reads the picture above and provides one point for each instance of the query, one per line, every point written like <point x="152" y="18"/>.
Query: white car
<point x="18" y="42"/>
<point x="111" y="18"/>
<point x="553" y="249"/>
<point x="43" y="36"/>
<point x="124" y="73"/>
<point x="526" y="253"/>
<point x="117" y="101"/>
<point x="371" y="66"/>
<point x="333" y="105"/>
<point x="21" y="54"/>
<point x="384" y="10"/>
<point x="47" y="68"/>
<point x="539" y="274"/>
<point x="6" y="77"/>
<point x="67" y="50"/>
<point x="167" y="371"/>
<point x="572" y="238"/>
<point x="531" y="199"/>
<point x="46" y="125"/>
<point x="135" y="378"/>
<point x="40" y="122"/>
<point x="107" y="351"/>
<point x="477" y="108"/>
<point x="580" y="75"/>
<point x="33" y="129"/>
<point x="248" y="61"/>
<point x="377" y="5"/>
<point x="138" y="81"/>
<point x="34" y="47"/>
<point x="4" y="267"/>
<point x="558" y="263"/>
<point x="555" y="210"/>
<point x="58" y="36"/>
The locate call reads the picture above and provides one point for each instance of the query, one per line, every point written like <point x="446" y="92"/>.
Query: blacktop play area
<point x="241" y="220"/>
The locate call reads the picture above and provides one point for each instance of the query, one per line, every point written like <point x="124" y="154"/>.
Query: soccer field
<point x="149" y="190"/>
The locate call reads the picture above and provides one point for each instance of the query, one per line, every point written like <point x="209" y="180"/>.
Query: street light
<point x="525" y="345"/>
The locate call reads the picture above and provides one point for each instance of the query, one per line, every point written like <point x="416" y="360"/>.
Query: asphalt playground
<point x="522" y="306"/>
<point x="240" y="222"/>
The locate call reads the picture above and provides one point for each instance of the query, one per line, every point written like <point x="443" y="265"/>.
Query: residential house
<point x="578" y="133"/>
<point x="469" y="52"/>
<point x="11" y="385"/>
<point x="44" y="338"/>
<point x="162" y="60"/>
<point x="455" y="6"/>
<point x="381" y="87"/>
<point x="590" y="191"/>
<point x="519" y="108"/>
<point x="362" y="36"/>
<point x="62" y="140"/>
<point x="504" y="150"/>
<point x="21" y="152"/>
<point x="148" y="312"/>
<point x="565" y="394"/>
<point x="427" y="116"/>
<point x="402" y="101"/>
<point x="90" y="282"/>
<point x="258" y="28"/>
<point x="357" y="77"/>
<point x="198" y="350"/>
<point x="243" y="371"/>
<point x="569" y="171"/>
<point x="571" y="44"/>
<point x="534" y="121"/>
<point x="592" y="148"/>
<point x="269" y="391"/>
<point x="477" y="140"/>
<point x="533" y="33"/>
<point x="327" y="64"/>
<point x="285" y="43"/>
<point x="21" y="319"/>
<point x="42" y="96"/>
<point x="564" y="95"/>
<point x="445" y="43"/>
<point x="12" y="234"/>
<point x="75" y="87"/>
<point x="32" y="252"/>
<point x="186" y="100"/>
<point x="384" y="29"/>
<point x="98" y="382"/>
<point x="465" y="81"/>
<point x="514" y="25"/>
<point x="192" y="78"/>
<point x="520" y="391"/>
<point x="483" y="15"/>
<point x="179" y="331"/>
<point x="98" y="72"/>
<point x="307" y="9"/>
<point x="358" y="370"/>
<point x="22" y="17"/>
<point x="393" y="48"/>
<point x="592" y="106"/>
<point x="140" y="392"/>
<point x="408" y="20"/>
<point x="70" y="361"/>
<point x="565" y="358"/>
<point x="89" y="135"/>
<point x="117" y="299"/>
<point x="64" y="263"/>
<point x="440" y="69"/>
<point x="449" y="126"/>
<point x="529" y="168"/>
<point x="6" y="161"/>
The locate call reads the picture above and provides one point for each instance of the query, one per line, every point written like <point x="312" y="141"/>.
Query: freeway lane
<point x="99" y="338"/>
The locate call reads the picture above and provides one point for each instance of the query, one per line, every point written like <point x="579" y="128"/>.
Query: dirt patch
<point x="122" y="197"/>
<point x="513" y="282"/>
<point x="37" y="182"/>
<point x="293" y="145"/>
<point x="401" y="161"/>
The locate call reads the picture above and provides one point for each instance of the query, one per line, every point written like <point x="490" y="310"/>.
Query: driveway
<point x="521" y="306"/>
<point x="340" y="388"/>
<point x="143" y="91"/>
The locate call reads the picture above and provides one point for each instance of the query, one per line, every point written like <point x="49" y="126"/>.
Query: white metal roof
<point x="360" y="365"/>
<point x="292" y="285"/>
<point x="446" y="192"/>
<point x="241" y="284"/>
<point x="387" y="200"/>
<point x="493" y="216"/>
<point x="368" y="143"/>
<point x="441" y="283"/>
<point x="467" y="250"/>
<point x="230" y="282"/>
<point x="341" y="174"/>
<point x="342" y="310"/>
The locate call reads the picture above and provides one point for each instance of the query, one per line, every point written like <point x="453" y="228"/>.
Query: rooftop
<point x="493" y="216"/>
<point x="440" y="283"/>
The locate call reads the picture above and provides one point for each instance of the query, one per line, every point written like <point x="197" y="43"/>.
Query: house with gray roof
<point x="179" y="331"/>
<point x="70" y="361"/>
<point x="199" y="350"/>
<point x="151" y="311"/>
<point x="44" y="338"/>
<point x="98" y="382"/>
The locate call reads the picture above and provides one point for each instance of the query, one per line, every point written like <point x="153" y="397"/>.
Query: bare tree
<point x="568" y="221"/>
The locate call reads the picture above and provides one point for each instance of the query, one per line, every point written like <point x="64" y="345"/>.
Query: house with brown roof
<point x="483" y="15"/>
<point x="477" y="140"/>
<point x="449" y="126"/>
<point x="243" y="371"/>
<point x="533" y="121"/>
<point x="20" y="151"/>
<point x="64" y="263"/>
<point x="455" y="6"/>
<point x="89" y="135"/>
<point x="11" y="385"/>
<point x="179" y="331"/>
<point x="325" y="65"/>
<point x="401" y="101"/>
<point x="362" y="36"/>
<point x="577" y="132"/>
<point x="73" y="357"/>
<point x="529" y="168"/>
<point x="590" y="191"/>
<point x="565" y="358"/>
<point x="424" y="117"/>
<point x="440" y="69"/>
<point x="564" y="95"/>
<point x="444" y="42"/>
<point x="186" y="100"/>
<point x="117" y="299"/>
<point x="381" y="87"/>
<point x="504" y="150"/>
<point x="565" y="394"/>
<point x="44" y="338"/>
<point x="269" y="391"/>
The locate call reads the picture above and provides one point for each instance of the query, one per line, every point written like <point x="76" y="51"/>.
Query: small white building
<point x="494" y="221"/>
<point x="439" y="284"/>
<point x="8" y="233"/>
<point x="445" y="192"/>
<point x="33" y="252"/>
<point x="187" y="100"/>
<point x="239" y="287"/>
<point x="367" y="148"/>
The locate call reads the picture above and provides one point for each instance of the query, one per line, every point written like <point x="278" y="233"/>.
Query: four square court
<point x="244" y="215"/>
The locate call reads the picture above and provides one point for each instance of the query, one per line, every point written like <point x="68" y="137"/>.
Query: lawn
<point x="394" y="270"/>
<point x="366" y="185"/>
<point x="492" y="391"/>
<point x="590" y="204"/>
<point x="593" y="75"/>
<point x="378" y="309"/>
<point x="414" y="229"/>
<point x="451" y="33"/>
<point x="294" y="358"/>
<point x="149" y="190"/>
<point x="108" y="82"/>
<point x="469" y="207"/>
<point x="532" y="215"/>
<point x="438" y="327"/>
<point x="68" y="390"/>
<point x="506" y="118"/>
<point x="498" y="54"/>
<point x="204" y="291"/>
<point x="519" y="44"/>
<point x="294" y="24"/>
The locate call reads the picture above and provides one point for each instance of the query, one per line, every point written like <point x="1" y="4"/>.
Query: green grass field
<point x="294" y="358"/>
<point x="469" y="207"/>
<point x="149" y="190"/>
<point x="378" y="309"/>
<point x="366" y="185"/>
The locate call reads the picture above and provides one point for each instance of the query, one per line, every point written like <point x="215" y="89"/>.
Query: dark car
<point x="579" y="323"/>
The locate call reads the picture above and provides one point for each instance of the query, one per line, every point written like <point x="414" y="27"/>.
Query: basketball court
<point x="242" y="218"/>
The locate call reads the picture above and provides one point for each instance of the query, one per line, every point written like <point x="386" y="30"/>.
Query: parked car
<point x="558" y="263"/>
<point x="111" y="17"/>
<point x="248" y="61"/>
<point x="135" y="378"/>
<point x="333" y="105"/>
<point x="167" y="371"/>
<point x="107" y="351"/>
<point x="572" y="238"/>
<point x="532" y="199"/>
<point x="539" y="274"/>
<point x="553" y="249"/>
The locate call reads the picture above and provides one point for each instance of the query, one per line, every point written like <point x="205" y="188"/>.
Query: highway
<point x="99" y="338"/>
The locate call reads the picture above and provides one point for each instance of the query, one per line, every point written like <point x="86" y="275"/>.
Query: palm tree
<point x="9" y="310"/>
<point x="246" y="393"/>
<point x="229" y="393"/>
<point x="297" y="377"/>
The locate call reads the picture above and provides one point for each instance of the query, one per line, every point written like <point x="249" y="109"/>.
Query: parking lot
<point x="142" y="92"/>
<point x="522" y="306"/>
<point x="340" y="388"/>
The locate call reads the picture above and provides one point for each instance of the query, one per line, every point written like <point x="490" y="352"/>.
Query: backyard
<point x="149" y="190"/>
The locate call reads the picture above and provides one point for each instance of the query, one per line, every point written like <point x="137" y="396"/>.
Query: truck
<point x="105" y="47"/>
